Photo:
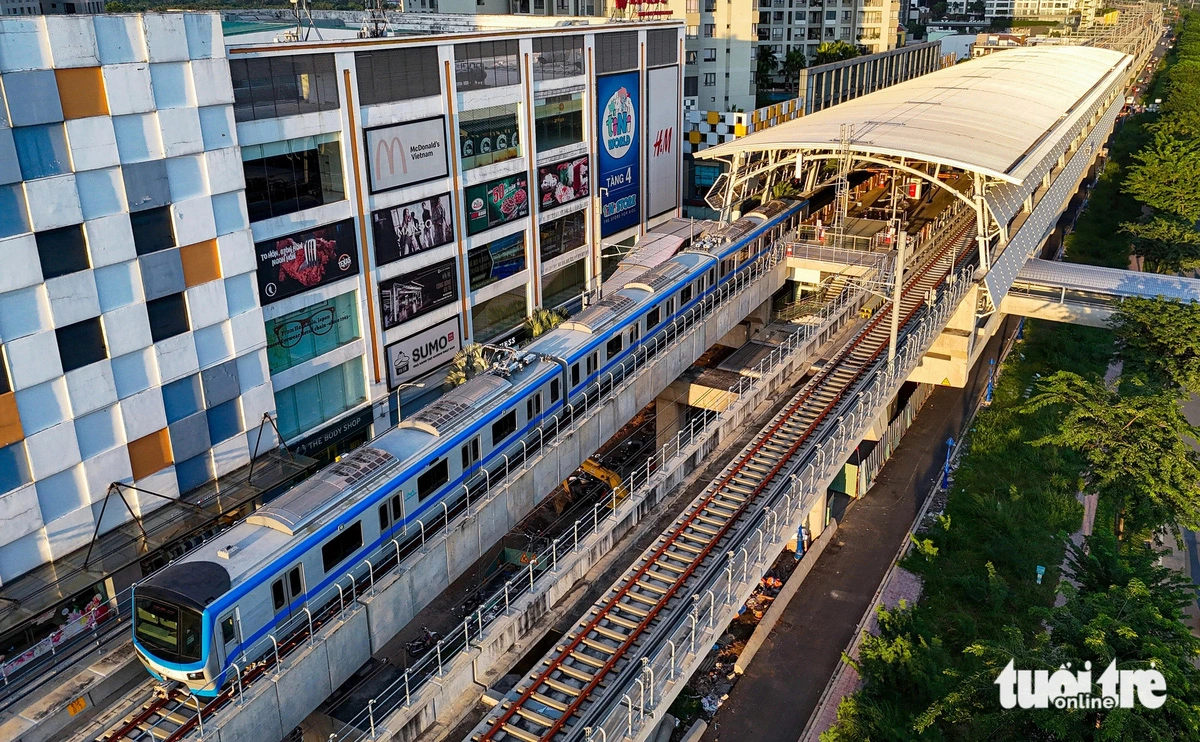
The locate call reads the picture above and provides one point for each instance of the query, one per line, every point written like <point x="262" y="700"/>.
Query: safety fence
<point x="869" y="467"/>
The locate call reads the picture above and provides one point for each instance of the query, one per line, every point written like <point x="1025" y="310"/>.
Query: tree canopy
<point x="767" y="62"/>
<point x="1166" y="242"/>
<point x="1160" y="338"/>
<point x="1166" y="176"/>
<point x="835" y="51"/>
<point x="792" y="64"/>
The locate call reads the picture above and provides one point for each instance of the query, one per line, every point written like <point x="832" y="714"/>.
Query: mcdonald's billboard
<point x="405" y="154"/>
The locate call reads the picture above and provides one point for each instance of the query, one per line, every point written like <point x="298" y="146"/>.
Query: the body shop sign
<point x="408" y="153"/>
<point x="497" y="202"/>
<point x="617" y="102"/>
<point x="417" y="355"/>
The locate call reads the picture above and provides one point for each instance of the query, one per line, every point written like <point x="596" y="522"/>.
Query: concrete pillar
<point x="669" y="415"/>
<point x="816" y="517"/>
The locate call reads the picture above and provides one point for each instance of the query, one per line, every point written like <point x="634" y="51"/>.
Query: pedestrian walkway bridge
<point x="1087" y="294"/>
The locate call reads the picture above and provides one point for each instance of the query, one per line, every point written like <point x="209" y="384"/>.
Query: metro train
<point x="223" y="602"/>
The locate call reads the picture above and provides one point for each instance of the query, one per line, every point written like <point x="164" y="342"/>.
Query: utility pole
<point x="897" y="282"/>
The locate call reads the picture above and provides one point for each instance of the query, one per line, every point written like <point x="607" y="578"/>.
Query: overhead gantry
<point x="1022" y="128"/>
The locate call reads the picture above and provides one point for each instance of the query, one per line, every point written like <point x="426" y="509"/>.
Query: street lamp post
<point x="396" y="391"/>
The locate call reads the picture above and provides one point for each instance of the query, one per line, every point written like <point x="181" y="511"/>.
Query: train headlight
<point x="196" y="675"/>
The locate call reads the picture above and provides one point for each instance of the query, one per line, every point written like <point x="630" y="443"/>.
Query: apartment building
<point x="49" y="7"/>
<point x="197" y="233"/>
<point x="724" y="36"/>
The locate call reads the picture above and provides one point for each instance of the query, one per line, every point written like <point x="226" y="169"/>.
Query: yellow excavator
<point x="606" y="475"/>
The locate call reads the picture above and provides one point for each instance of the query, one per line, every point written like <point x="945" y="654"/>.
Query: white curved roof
<point x="997" y="115"/>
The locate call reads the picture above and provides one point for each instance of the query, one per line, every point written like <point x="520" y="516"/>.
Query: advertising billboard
<point x="412" y="228"/>
<point x="496" y="202"/>
<point x="298" y="262"/>
<point x="417" y="355"/>
<point x="662" y="141"/>
<point x="408" y="153"/>
<point x="498" y="259"/>
<point x="563" y="182"/>
<point x="412" y="294"/>
<point x="617" y="102"/>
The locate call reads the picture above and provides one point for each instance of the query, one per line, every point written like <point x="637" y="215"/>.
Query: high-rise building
<point x="196" y="233"/>
<point x="724" y="38"/>
<point x="49" y="7"/>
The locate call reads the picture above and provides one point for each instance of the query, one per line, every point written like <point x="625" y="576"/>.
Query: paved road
<point x="773" y="700"/>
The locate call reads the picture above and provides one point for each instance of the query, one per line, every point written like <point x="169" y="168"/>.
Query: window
<point x="337" y="549"/>
<point x="614" y="346"/>
<point x="634" y="333"/>
<point x="685" y="295"/>
<point x="563" y="286"/>
<point x="389" y="75"/>
<point x="575" y="375"/>
<point x="278" y="598"/>
<point x="616" y="52"/>
<point x="296" y="582"/>
<point x="168" y="317"/>
<point x="710" y="55"/>
<point x="557" y="56"/>
<point x="499" y="314"/>
<point x="171" y="633"/>
<point x="41" y="150"/>
<point x="152" y="230"/>
<point x="228" y="633"/>
<point x="652" y="317"/>
<point x="285" y="177"/>
<point x="691" y="57"/>
<point x="558" y="120"/>
<point x="384" y="519"/>
<point x="283" y="86"/>
<point x="533" y="407"/>
<point x="563" y="235"/>
<point x="710" y="30"/>
<point x="318" y="399"/>
<point x="504" y="427"/>
<point x="693" y="32"/>
<point x="591" y="364"/>
<point x="432" y="478"/>
<point x="317" y="329"/>
<point x="62" y="251"/>
<point x="710" y="6"/>
<point x="691" y="87"/>
<point x="710" y="78"/>
<point x="486" y="64"/>
<point x="693" y="6"/>
<point x="496" y="260"/>
<point x="554" y="391"/>
<point x="488" y="135"/>
<point x="81" y="344"/>
<point x="470" y="453"/>
<point x="831" y="15"/>
<point x="397" y="508"/>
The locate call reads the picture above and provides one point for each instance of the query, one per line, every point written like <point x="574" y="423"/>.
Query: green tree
<point x="1162" y="338"/>
<point x="835" y="51"/>
<point x="767" y="63"/>
<point x="1135" y="444"/>
<point x="1166" y="176"/>
<point x="543" y="320"/>
<point x="468" y="362"/>
<point x="792" y="64"/>
<point x="937" y="11"/>
<point x="1166" y="242"/>
<point x="976" y="7"/>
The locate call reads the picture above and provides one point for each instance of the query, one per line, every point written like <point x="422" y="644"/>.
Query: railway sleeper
<point x="519" y="733"/>
<point x="610" y="633"/>
<point x="572" y="672"/>
<point x="596" y="646"/>
<point x="564" y="688"/>
<point x="662" y="563"/>
<point x="653" y="588"/>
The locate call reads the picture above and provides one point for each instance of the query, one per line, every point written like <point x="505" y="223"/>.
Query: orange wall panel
<point x="81" y="91"/>
<point x="10" y="422"/>
<point x="201" y="263"/>
<point x="150" y="454"/>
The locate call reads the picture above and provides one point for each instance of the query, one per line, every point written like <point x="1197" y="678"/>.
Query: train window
<point x="533" y="407"/>
<point x="384" y="519"/>
<point x="670" y="307"/>
<point x="554" y="391"/>
<point x="712" y="276"/>
<point x="228" y="634"/>
<point x="337" y="549"/>
<point x="504" y="427"/>
<point x="685" y="295"/>
<point x="278" y="599"/>
<point x="295" y="582"/>
<point x="652" y="317"/>
<point x="575" y="375"/>
<point x="591" y="364"/>
<point x="397" y="509"/>
<point x="470" y="453"/>
<point x="634" y="334"/>
<point x="614" y="346"/>
<point x="434" y="477"/>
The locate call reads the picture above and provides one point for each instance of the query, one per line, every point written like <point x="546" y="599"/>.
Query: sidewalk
<point x="774" y="699"/>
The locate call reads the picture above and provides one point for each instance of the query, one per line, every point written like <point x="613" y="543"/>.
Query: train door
<point x="228" y="636"/>
<point x="286" y="591"/>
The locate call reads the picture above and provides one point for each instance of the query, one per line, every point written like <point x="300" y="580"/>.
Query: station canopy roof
<point x="998" y="115"/>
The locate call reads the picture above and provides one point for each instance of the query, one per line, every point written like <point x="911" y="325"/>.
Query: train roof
<point x="450" y="410"/>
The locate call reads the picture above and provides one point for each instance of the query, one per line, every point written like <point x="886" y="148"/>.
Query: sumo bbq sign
<point x="419" y="354"/>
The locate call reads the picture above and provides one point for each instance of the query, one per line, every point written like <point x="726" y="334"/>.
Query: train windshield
<point x="170" y="632"/>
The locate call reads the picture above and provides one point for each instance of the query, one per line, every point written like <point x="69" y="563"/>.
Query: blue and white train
<point x="221" y="603"/>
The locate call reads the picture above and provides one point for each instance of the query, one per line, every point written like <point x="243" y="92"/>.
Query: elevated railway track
<point x="596" y="666"/>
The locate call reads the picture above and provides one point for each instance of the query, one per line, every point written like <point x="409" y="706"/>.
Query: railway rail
<point x="567" y="689"/>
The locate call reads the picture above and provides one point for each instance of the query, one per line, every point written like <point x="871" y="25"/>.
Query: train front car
<point x="172" y="633"/>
